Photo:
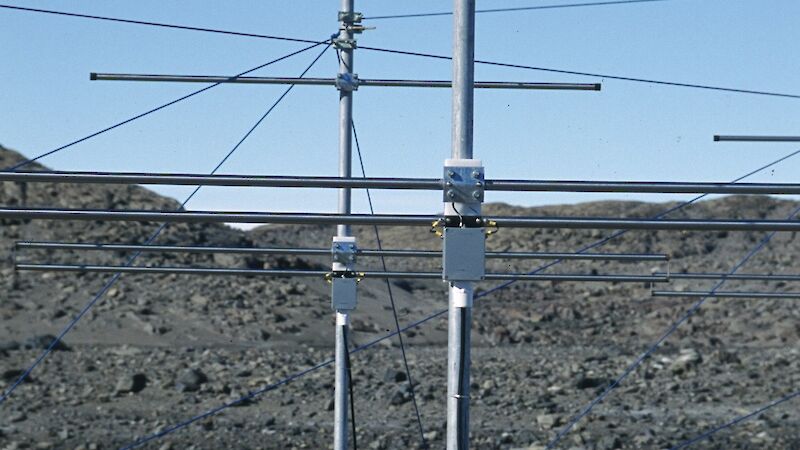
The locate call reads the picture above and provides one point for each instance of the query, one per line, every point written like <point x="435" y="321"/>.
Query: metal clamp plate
<point x="344" y="44"/>
<point x="350" y="16"/>
<point x="347" y="81"/>
<point x="344" y="251"/>
<point x="463" y="181"/>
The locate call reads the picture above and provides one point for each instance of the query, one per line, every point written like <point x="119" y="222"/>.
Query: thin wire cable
<point x="350" y="386"/>
<point x="425" y="55"/>
<point x="672" y="328"/>
<point x="149" y="241"/>
<point x="735" y="421"/>
<point x="416" y="324"/>
<point x="155" y="24"/>
<point x="391" y="296"/>
<point x="517" y="9"/>
<point x="158" y="108"/>
<point x="590" y="74"/>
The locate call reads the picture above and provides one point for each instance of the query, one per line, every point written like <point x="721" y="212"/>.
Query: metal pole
<point x="461" y="293"/>
<point x="343" y="230"/>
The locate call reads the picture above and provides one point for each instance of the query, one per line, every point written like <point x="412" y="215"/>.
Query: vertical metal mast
<point x="343" y="292"/>
<point x="461" y="292"/>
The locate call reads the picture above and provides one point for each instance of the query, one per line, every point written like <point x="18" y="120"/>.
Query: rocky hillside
<point x="158" y="349"/>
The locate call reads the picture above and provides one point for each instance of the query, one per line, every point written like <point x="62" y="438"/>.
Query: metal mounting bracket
<point x="343" y="281"/>
<point x="350" y="17"/>
<point x="344" y="251"/>
<point x="347" y="81"/>
<point x="344" y="43"/>
<point x="463" y="181"/>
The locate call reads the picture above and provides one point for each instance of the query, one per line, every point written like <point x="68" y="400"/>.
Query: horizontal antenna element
<point x="404" y="253"/>
<point x="728" y="294"/>
<point x="333" y="82"/>
<point x="431" y="184"/>
<point x="719" y="138"/>
<point x="394" y="220"/>
<point x="322" y="273"/>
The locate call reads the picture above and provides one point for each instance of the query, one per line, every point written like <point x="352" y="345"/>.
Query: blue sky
<point x="629" y="131"/>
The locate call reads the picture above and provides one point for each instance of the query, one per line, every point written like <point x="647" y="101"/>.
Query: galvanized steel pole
<point x="461" y="292"/>
<point x="343" y="230"/>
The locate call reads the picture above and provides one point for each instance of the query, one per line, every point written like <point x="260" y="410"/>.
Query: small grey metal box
<point x="343" y="294"/>
<point x="464" y="254"/>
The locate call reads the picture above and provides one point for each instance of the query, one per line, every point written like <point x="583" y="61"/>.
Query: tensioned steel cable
<point x="591" y="74"/>
<point x="391" y="297"/>
<point x="736" y="421"/>
<point x="155" y="24"/>
<point x="350" y="385"/>
<point x="516" y="9"/>
<point x="158" y="108"/>
<point x="650" y="350"/>
<point x="427" y="55"/>
<point x="150" y="240"/>
<point x="416" y="324"/>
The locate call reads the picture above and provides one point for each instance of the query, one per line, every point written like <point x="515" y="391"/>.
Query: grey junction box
<point x="343" y="294"/>
<point x="464" y="254"/>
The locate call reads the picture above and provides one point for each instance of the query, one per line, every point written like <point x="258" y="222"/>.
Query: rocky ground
<point x="158" y="350"/>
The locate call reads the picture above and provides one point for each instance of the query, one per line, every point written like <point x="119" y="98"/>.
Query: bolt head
<point x="478" y="184"/>
<point x="476" y="174"/>
<point x="450" y="173"/>
<point x="451" y="194"/>
<point x="448" y="184"/>
<point x="476" y="194"/>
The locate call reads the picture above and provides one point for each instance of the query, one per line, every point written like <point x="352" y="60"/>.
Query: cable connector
<point x="494" y="227"/>
<point x="436" y="227"/>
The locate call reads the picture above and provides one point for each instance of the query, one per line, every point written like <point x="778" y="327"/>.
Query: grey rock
<point x="394" y="376"/>
<point x="548" y="421"/>
<point x="686" y="360"/>
<point x="130" y="384"/>
<point x="585" y="382"/>
<point x="190" y="380"/>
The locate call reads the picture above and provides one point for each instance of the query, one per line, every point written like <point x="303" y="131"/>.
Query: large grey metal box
<point x="464" y="254"/>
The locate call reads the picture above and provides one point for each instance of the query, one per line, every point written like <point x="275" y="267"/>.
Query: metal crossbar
<point x="322" y="273"/>
<point x="630" y="257"/>
<point x="394" y="220"/>
<point x="432" y="184"/>
<point x="333" y="82"/>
